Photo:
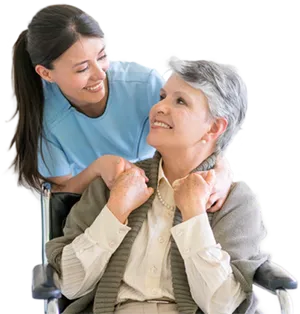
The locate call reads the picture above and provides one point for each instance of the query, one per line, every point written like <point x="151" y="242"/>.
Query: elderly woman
<point x="148" y="245"/>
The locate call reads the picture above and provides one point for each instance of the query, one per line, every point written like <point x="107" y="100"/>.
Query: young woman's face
<point x="80" y="71"/>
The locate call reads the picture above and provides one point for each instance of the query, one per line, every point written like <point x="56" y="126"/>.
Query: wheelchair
<point x="55" y="208"/>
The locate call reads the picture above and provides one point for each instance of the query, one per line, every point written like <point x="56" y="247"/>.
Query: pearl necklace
<point x="162" y="200"/>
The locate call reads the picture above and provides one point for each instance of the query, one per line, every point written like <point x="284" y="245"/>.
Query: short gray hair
<point x="224" y="89"/>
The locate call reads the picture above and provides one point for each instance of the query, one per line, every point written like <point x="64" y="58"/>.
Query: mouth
<point x="160" y="124"/>
<point x="94" y="88"/>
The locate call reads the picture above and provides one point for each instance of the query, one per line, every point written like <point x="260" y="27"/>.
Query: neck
<point x="97" y="109"/>
<point x="178" y="164"/>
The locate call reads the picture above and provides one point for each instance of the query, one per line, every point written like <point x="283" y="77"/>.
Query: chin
<point x="94" y="99"/>
<point x="150" y="140"/>
<point x="154" y="141"/>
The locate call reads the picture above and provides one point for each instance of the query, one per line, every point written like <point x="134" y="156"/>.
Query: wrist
<point x="189" y="213"/>
<point x="121" y="215"/>
<point x="95" y="168"/>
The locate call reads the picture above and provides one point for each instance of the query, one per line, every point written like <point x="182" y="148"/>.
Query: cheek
<point x="189" y="125"/>
<point x="74" y="83"/>
<point x="182" y="120"/>
<point x="105" y="66"/>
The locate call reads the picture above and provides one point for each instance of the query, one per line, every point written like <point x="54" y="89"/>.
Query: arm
<point x="210" y="277"/>
<point x="84" y="261"/>
<point x="108" y="167"/>
<point x="226" y="274"/>
<point x="90" y="238"/>
<point x="54" y="166"/>
<point x="76" y="184"/>
<point x="239" y="229"/>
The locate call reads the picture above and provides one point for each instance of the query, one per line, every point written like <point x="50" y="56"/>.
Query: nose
<point x="98" y="73"/>
<point x="162" y="106"/>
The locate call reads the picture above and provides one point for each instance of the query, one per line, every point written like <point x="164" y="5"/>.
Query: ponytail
<point x="28" y="89"/>
<point x="52" y="31"/>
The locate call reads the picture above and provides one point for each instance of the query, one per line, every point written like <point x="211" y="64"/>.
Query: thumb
<point x="120" y="167"/>
<point x="203" y="174"/>
<point x="211" y="177"/>
<point x="150" y="191"/>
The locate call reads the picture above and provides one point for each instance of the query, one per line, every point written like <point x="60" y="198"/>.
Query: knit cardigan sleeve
<point x="238" y="227"/>
<point x="81" y="216"/>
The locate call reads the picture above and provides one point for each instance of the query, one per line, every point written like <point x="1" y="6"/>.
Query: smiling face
<point x="181" y="119"/>
<point x="80" y="72"/>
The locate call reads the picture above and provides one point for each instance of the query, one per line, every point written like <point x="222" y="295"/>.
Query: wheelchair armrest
<point x="43" y="286"/>
<point x="272" y="277"/>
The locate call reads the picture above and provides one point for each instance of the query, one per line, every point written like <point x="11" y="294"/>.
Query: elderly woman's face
<point x="181" y="118"/>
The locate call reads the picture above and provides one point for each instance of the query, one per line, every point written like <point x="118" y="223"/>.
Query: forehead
<point x="84" y="48"/>
<point x="175" y="84"/>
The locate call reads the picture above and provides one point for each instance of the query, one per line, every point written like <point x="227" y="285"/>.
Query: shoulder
<point x="243" y="195"/>
<point x="241" y="191"/>
<point x="241" y="202"/>
<point x="132" y="72"/>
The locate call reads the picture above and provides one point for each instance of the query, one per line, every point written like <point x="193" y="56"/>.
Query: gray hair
<point x="224" y="89"/>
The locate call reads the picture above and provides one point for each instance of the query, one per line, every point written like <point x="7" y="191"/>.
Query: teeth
<point x="95" y="87"/>
<point x="161" y="124"/>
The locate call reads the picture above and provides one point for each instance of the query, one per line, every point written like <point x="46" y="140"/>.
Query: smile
<point x="95" y="87"/>
<point x="161" y="124"/>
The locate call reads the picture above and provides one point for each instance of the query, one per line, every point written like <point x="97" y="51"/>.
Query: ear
<point x="44" y="73"/>
<point x="217" y="128"/>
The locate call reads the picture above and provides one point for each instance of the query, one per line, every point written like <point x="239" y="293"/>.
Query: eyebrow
<point x="82" y="62"/>
<point x="180" y="92"/>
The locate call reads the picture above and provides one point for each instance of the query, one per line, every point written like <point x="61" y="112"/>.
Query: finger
<point x="133" y="171"/>
<point x="142" y="172"/>
<point x="128" y="165"/>
<point x="210" y="178"/>
<point x="217" y="206"/>
<point x="150" y="191"/>
<point x="176" y="184"/>
<point x="120" y="167"/>
<point x="203" y="174"/>
<point x="212" y="200"/>
<point x="201" y="177"/>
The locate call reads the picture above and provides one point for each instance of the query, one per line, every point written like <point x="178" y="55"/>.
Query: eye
<point x="180" y="101"/>
<point x="83" y="70"/>
<point x="161" y="97"/>
<point x="102" y="57"/>
<point x="99" y="59"/>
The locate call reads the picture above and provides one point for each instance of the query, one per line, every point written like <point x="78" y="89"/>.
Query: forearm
<point x="84" y="261"/>
<point x="75" y="184"/>
<point x="77" y="280"/>
<point x="212" y="284"/>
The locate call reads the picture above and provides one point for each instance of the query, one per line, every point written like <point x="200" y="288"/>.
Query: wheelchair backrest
<point x="59" y="208"/>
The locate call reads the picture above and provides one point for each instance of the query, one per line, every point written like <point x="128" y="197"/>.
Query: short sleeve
<point x="155" y="83"/>
<point x="52" y="161"/>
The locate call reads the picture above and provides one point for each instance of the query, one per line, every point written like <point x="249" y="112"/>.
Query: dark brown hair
<point x="51" y="32"/>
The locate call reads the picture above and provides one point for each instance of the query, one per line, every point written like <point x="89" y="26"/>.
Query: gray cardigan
<point x="237" y="227"/>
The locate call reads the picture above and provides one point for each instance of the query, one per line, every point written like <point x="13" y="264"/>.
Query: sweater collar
<point x="207" y="164"/>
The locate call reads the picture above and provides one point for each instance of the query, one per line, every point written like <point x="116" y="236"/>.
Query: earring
<point x="203" y="141"/>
